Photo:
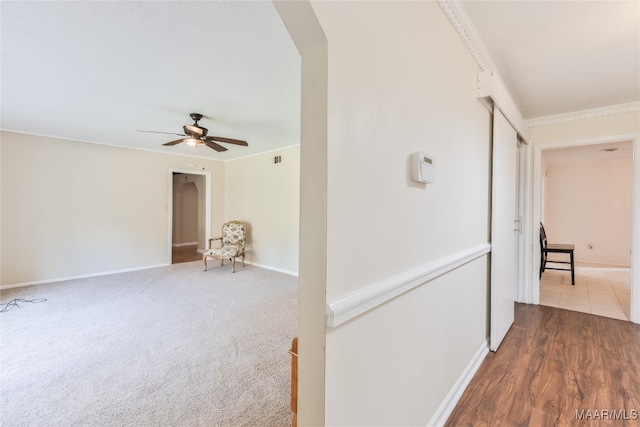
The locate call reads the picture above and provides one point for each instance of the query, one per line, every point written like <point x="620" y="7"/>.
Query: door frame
<point x="524" y="196"/>
<point x="635" y="226"/>
<point x="207" y="213"/>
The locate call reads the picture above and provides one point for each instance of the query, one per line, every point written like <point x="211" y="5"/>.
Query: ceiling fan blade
<point x="164" y="133"/>
<point x="177" y="141"/>
<point x="228" y="140"/>
<point x="219" y="148"/>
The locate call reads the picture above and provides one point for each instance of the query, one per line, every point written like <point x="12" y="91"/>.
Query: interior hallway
<point x="185" y="254"/>
<point x="553" y="367"/>
<point x="600" y="291"/>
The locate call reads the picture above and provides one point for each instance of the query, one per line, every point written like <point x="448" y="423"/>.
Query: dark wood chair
<point x="555" y="248"/>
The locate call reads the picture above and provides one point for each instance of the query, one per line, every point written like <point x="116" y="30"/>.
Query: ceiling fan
<point x="195" y="135"/>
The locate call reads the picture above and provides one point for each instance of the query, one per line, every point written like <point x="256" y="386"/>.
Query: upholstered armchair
<point x="231" y="244"/>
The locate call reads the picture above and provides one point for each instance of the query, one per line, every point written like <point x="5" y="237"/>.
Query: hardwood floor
<point x="557" y="368"/>
<point x="185" y="254"/>
<point x="601" y="291"/>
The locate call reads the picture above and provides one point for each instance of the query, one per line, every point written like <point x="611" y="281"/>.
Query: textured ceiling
<point x="562" y="56"/>
<point x="99" y="71"/>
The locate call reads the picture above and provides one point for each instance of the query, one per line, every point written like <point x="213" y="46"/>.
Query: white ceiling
<point x="99" y="71"/>
<point x="590" y="153"/>
<point x="562" y="56"/>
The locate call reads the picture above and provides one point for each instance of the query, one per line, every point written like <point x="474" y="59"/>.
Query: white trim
<point x="584" y="114"/>
<point x="525" y="293"/>
<point x="80" y="276"/>
<point x="126" y="270"/>
<point x="150" y="150"/>
<point x="268" y="267"/>
<point x="600" y="265"/>
<point x="288" y="147"/>
<point x="358" y="302"/>
<point x="179" y="245"/>
<point x="490" y="83"/>
<point x="126" y="147"/>
<point x="461" y="23"/>
<point x="635" y="238"/>
<point x="449" y="403"/>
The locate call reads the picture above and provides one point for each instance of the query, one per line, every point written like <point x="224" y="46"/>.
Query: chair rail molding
<point x="355" y="303"/>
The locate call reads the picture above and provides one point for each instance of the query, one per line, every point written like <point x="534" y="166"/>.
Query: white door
<point x="503" y="228"/>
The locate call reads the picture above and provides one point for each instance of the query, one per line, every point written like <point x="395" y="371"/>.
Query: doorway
<point x="189" y="207"/>
<point x="586" y="197"/>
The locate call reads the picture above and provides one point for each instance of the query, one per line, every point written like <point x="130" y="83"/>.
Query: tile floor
<point x="601" y="291"/>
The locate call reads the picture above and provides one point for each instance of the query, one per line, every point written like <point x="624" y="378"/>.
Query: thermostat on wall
<point x="423" y="168"/>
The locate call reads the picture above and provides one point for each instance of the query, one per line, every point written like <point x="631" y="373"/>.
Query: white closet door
<point x="503" y="235"/>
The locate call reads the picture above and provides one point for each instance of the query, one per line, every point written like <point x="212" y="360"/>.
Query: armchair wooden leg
<point x="243" y="261"/>
<point x="204" y="260"/>
<point x="233" y="265"/>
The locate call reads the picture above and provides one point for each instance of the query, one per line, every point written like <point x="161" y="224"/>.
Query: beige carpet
<point x="171" y="346"/>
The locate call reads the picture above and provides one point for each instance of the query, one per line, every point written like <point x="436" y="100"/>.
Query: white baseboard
<point x="268" y="267"/>
<point x="602" y="265"/>
<point x="125" y="270"/>
<point x="449" y="403"/>
<point x="179" y="245"/>
<point x="81" y="276"/>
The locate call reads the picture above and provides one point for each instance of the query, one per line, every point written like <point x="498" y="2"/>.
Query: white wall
<point x="590" y="205"/>
<point x="266" y="196"/>
<point x="72" y="209"/>
<point x="391" y="93"/>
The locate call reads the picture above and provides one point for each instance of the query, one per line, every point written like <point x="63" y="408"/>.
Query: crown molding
<point x="151" y="150"/>
<point x="584" y="114"/>
<point x="490" y="83"/>
<point x="462" y="24"/>
<point x="458" y="18"/>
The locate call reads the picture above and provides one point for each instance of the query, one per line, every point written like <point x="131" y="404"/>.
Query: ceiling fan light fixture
<point x="195" y="135"/>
